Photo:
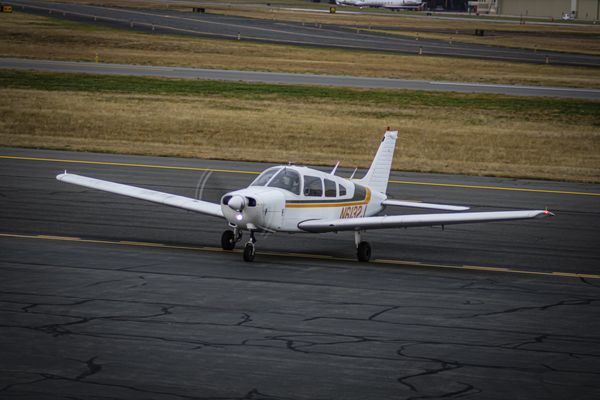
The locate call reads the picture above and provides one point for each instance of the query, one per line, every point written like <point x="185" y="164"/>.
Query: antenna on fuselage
<point x="335" y="168"/>
<point x="352" y="176"/>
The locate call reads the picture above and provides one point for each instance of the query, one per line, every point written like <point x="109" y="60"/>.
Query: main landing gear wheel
<point x="249" y="252"/>
<point x="363" y="251"/>
<point x="228" y="240"/>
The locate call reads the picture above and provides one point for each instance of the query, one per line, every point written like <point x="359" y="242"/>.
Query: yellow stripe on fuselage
<point x="318" y="205"/>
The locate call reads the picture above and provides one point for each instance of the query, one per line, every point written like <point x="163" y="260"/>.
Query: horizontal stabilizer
<point x="418" y="204"/>
<point x="172" y="200"/>
<point x="405" y="221"/>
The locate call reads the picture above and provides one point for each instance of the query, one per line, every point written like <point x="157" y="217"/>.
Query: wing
<point x="417" y="204"/>
<point x="405" y="221"/>
<point x="172" y="200"/>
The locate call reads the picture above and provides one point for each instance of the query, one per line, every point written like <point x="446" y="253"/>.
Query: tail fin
<point x="378" y="175"/>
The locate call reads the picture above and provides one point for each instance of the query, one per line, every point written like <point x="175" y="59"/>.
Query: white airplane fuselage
<point x="316" y="195"/>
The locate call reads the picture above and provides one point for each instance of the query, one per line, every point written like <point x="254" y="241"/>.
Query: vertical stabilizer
<point x="378" y="175"/>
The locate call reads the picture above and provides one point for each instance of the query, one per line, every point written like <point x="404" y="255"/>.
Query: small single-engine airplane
<point x="294" y="199"/>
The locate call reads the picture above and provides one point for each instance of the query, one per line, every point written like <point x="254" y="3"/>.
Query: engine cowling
<point x="255" y="208"/>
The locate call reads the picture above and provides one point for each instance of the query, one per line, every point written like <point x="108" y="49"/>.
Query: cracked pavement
<point x="84" y="320"/>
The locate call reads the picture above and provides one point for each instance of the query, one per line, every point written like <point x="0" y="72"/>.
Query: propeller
<point x="202" y="184"/>
<point x="211" y="186"/>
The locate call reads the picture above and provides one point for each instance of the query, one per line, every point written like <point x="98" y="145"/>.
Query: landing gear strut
<point x="363" y="249"/>
<point x="249" y="250"/>
<point x="230" y="238"/>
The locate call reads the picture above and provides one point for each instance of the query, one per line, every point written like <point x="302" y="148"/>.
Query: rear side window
<point x="329" y="188"/>
<point x="313" y="186"/>
<point x="342" y="190"/>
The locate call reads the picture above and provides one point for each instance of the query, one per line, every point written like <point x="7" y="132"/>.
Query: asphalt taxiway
<point x="103" y="296"/>
<point x="293" y="79"/>
<point x="273" y="31"/>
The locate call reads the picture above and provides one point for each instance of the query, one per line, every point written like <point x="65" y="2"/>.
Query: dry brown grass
<point x="40" y="37"/>
<point x="316" y="132"/>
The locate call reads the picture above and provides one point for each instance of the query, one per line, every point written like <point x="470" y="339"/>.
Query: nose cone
<point x="236" y="203"/>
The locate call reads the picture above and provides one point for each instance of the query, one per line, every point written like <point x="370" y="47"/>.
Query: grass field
<point x="32" y="36"/>
<point x="439" y="132"/>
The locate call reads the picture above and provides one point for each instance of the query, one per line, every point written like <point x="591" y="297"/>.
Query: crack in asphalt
<point x="92" y="367"/>
<point x="587" y="282"/>
<point x="59" y="329"/>
<point x="567" y="302"/>
<point x="253" y="394"/>
<point x="330" y="344"/>
<point x="468" y="390"/>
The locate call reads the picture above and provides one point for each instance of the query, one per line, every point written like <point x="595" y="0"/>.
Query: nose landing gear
<point x="230" y="238"/>
<point x="249" y="250"/>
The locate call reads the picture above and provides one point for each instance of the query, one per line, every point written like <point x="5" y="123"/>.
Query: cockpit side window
<point x="330" y="188"/>
<point x="313" y="186"/>
<point x="263" y="178"/>
<point x="287" y="179"/>
<point x="342" y="190"/>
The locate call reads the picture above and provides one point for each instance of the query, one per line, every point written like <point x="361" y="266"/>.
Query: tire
<point x="363" y="252"/>
<point x="228" y="240"/>
<point x="249" y="252"/>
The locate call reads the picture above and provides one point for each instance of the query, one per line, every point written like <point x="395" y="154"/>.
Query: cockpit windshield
<point x="287" y="179"/>
<point x="264" y="178"/>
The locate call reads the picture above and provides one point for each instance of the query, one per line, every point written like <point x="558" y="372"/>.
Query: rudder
<point x="379" y="173"/>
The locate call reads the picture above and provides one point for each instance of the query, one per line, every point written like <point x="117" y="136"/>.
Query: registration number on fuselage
<point x="351" y="212"/>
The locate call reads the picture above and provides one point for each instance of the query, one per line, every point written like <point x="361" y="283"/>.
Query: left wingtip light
<point x="547" y="213"/>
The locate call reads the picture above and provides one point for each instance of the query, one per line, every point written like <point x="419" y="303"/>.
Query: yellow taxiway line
<point x="413" y="264"/>
<point x="234" y="171"/>
<point x="118" y="164"/>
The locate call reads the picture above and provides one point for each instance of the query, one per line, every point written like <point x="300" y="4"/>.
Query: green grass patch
<point x="259" y="91"/>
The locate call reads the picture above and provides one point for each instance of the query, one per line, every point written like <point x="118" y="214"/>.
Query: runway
<point x="294" y="79"/>
<point x="105" y="296"/>
<point x="273" y="31"/>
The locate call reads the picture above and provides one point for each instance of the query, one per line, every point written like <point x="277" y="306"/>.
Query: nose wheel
<point x="249" y="252"/>
<point x="249" y="249"/>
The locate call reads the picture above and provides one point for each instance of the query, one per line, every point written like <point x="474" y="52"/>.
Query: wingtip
<point x="391" y="134"/>
<point x="545" y="214"/>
